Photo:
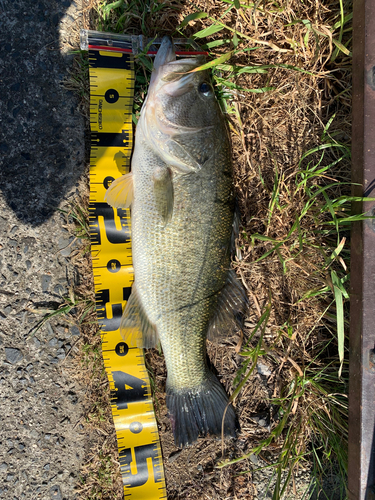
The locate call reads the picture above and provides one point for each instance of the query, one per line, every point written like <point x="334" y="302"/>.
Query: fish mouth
<point x="165" y="54"/>
<point x="171" y="74"/>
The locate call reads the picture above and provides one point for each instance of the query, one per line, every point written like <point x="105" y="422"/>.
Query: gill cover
<point x="168" y="119"/>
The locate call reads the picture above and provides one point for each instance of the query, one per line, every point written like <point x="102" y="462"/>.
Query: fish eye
<point x="205" y="88"/>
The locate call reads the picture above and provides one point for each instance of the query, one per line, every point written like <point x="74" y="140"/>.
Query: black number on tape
<point x="122" y="349"/>
<point x="111" y="96"/>
<point x="113" y="266"/>
<point x="141" y="454"/>
<point x="108" y="181"/>
<point x="114" y="235"/>
<point x="110" y="139"/>
<point x="107" y="324"/>
<point x="129" y="389"/>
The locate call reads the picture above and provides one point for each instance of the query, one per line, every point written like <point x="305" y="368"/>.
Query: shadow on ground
<point x="41" y="150"/>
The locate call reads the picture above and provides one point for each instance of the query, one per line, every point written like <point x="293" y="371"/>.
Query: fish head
<point x="181" y="115"/>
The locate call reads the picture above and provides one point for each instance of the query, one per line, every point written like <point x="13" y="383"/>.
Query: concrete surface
<point x="41" y="159"/>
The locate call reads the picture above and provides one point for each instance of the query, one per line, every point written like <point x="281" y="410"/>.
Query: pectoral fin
<point x="134" y="319"/>
<point x="163" y="189"/>
<point x="120" y="192"/>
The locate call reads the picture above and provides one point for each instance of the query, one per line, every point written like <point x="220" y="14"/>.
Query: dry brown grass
<point x="271" y="131"/>
<point x="100" y="475"/>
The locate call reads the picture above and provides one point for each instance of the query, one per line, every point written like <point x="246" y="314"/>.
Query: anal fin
<point x="134" y="319"/>
<point x="231" y="307"/>
<point x="234" y="249"/>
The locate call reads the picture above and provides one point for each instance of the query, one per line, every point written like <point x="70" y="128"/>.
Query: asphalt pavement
<point x="42" y="440"/>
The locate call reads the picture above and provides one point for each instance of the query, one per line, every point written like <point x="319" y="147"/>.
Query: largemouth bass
<point x="182" y="216"/>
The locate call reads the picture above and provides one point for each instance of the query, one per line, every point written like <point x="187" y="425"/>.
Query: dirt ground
<point x="307" y="84"/>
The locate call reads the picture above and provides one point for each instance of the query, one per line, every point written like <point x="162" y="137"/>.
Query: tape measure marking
<point x="111" y="103"/>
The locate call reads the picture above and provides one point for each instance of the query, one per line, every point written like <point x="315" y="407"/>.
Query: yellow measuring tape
<point x="111" y="103"/>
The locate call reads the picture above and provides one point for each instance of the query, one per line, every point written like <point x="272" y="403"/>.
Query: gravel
<point x="42" y="443"/>
<point x="13" y="355"/>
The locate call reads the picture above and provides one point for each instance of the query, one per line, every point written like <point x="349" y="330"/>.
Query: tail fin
<point x="199" y="411"/>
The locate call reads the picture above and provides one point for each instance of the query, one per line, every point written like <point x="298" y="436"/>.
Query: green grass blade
<point x="215" y="43"/>
<point x="111" y="6"/>
<point x="347" y="18"/>
<point x="192" y="17"/>
<point x="269" y="252"/>
<point x="337" y="251"/>
<point x="215" y="62"/>
<point x="340" y="317"/>
<point x="342" y="47"/>
<point x="255" y="353"/>
<point x="211" y="30"/>
<point x="238" y="70"/>
<point x="338" y="43"/>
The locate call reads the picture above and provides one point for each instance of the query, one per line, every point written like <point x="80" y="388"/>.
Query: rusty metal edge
<point x="361" y="466"/>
